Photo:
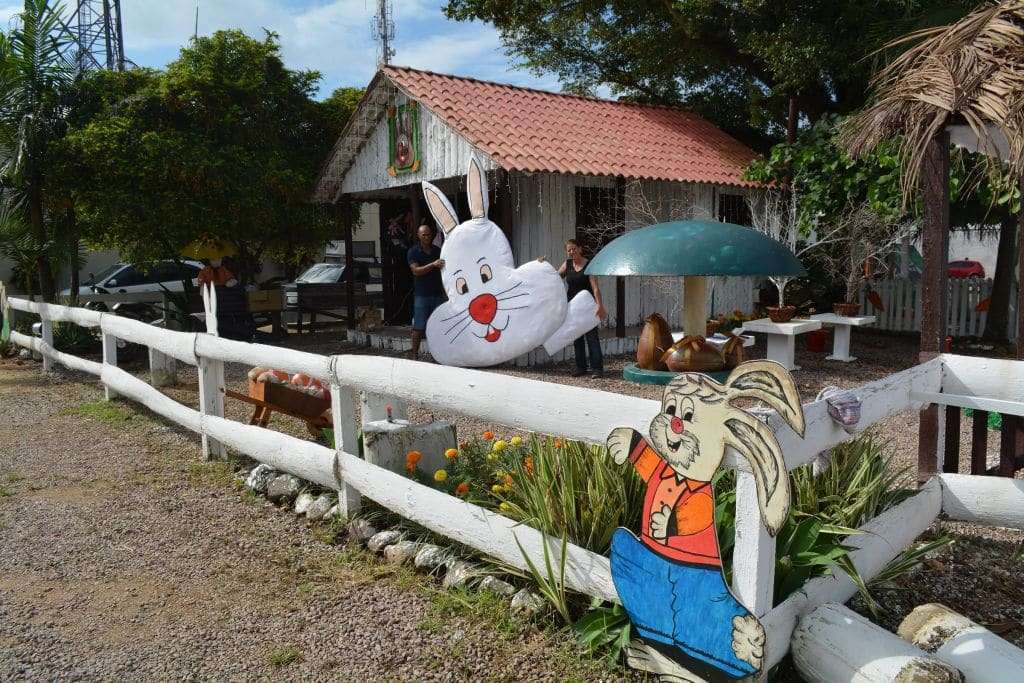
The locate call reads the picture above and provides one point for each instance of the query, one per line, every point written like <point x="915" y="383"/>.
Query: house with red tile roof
<point x="561" y="166"/>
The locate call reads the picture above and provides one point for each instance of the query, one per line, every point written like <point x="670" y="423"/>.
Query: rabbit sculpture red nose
<point x="483" y="308"/>
<point x="677" y="425"/>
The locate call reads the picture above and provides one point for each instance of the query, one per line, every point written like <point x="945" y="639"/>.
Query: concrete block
<point x="386" y="444"/>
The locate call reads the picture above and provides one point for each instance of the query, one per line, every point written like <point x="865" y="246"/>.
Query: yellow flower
<point x="504" y="507"/>
<point x="492" y="457"/>
<point x="498" y="446"/>
<point x="516" y="441"/>
<point x="440" y="475"/>
<point x="497" y="489"/>
<point x="451" y="454"/>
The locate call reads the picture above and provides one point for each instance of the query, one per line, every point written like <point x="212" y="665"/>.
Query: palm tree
<point x="35" y="78"/>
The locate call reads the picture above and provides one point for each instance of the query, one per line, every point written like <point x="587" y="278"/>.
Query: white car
<point x="124" y="278"/>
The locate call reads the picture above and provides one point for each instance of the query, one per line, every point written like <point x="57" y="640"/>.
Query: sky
<point x="331" y="36"/>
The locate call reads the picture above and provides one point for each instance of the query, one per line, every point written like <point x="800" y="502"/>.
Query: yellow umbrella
<point x="208" y="248"/>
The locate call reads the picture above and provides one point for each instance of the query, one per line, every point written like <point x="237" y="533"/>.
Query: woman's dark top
<point x="577" y="281"/>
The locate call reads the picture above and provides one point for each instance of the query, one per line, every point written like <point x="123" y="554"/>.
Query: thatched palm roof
<point x="970" y="72"/>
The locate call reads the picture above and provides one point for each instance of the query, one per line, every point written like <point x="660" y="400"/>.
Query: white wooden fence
<point x="901" y="300"/>
<point x="573" y="412"/>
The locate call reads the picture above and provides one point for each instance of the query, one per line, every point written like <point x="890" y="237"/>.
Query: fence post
<point x="47" y="333"/>
<point x="753" y="557"/>
<point x="163" y="369"/>
<point x="346" y="439"/>
<point x="211" y="401"/>
<point x="109" y="358"/>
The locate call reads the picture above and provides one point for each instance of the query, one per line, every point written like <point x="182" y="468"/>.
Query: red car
<point x="966" y="268"/>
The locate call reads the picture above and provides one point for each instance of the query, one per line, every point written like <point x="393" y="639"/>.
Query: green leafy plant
<point x="550" y="583"/>
<point x="604" y="628"/>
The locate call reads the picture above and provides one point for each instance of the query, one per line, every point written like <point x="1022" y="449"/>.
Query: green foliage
<point x="550" y="583"/>
<point x="994" y="420"/>
<point x="226" y="143"/>
<point x="74" y="339"/>
<point x="734" y="62"/>
<point x="604" y="628"/>
<point x="104" y="411"/>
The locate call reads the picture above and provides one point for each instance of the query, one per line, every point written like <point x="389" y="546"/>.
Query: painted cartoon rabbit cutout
<point x="670" y="578"/>
<point x="495" y="311"/>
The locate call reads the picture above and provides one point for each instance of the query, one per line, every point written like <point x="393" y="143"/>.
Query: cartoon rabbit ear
<point x="440" y="208"/>
<point x="476" y="189"/>
<point x="770" y="383"/>
<point x="755" y="441"/>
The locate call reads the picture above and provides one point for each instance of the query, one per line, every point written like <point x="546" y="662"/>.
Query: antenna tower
<point x="95" y="36"/>
<point x="383" y="25"/>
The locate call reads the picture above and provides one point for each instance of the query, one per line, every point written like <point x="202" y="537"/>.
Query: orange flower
<point x="412" y="458"/>
<point x="558" y="443"/>
<point x="451" y="454"/>
<point x="462" y="489"/>
<point x="528" y="464"/>
<point x="488" y="435"/>
<point x="508" y="480"/>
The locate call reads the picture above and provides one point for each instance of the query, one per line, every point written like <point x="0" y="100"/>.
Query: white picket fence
<point x="901" y="301"/>
<point x="573" y="412"/>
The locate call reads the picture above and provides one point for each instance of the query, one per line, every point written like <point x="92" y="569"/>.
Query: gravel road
<point x="122" y="557"/>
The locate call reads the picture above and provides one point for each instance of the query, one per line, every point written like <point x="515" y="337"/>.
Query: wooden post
<point x="47" y="334"/>
<point x="346" y="439"/>
<point x="1020" y="281"/>
<point x="109" y="358"/>
<point x="951" y="458"/>
<point x="350" y="275"/>
<point x="163" y="370"/>
<point x="211" y="402"/>
<point x="1008" y="445"/>
<point x="979" y="442"/>
<point x="935" y="178"/>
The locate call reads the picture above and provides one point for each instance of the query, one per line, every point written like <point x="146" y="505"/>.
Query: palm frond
<point x="970" y="72"/>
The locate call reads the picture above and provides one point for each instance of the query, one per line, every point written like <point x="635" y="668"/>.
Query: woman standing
<point x="578" y="281"/>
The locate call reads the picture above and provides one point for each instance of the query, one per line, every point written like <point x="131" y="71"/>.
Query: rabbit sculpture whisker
<point x="480" y="274"/>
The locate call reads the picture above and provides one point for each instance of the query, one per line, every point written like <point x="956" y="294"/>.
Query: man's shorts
<point x="422" y="307"/>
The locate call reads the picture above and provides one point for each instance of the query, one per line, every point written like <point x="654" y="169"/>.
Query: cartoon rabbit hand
<point x="619" y="442"/>
<point x="659" y="523"/>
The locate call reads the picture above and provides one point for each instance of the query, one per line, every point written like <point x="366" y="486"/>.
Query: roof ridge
<point x="588" y="98"/>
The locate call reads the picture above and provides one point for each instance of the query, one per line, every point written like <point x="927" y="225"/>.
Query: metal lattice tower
<point x="96" y="39"/>
<point x="383" y="26"/>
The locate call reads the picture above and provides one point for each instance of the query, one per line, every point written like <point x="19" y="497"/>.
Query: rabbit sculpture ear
<point x="440" y="208"/>
<point x="476" y="189"/>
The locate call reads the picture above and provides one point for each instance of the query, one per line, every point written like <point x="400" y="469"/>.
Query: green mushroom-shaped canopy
<point x="695" y="247"/>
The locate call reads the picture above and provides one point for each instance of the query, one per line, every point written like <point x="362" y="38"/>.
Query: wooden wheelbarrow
<point x="269" y="398"/>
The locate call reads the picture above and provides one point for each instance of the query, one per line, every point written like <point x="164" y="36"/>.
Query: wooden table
<point x="843" y="325"/>
<point x="782" y="337"/>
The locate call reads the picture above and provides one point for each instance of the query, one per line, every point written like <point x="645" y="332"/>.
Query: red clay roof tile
<point x="537" y="131"/>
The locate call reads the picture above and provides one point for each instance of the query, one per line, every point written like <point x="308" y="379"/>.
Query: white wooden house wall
<point x="445" y="154"/>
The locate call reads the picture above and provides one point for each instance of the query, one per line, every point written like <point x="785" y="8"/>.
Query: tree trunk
<point x="73" y="255"/>
<point x="792" y="120"/>
<point x="47" y="286"/>
<point x="1002" y="282"/>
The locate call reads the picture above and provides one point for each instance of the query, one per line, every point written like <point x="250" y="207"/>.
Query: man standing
<point x="428" y="293"/>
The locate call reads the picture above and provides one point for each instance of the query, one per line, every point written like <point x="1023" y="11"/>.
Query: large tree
<point x="738" y="63"/>
<point x="226" y="143"/>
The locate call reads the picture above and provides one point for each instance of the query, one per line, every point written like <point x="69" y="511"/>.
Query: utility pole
<point x="383" y="25"/>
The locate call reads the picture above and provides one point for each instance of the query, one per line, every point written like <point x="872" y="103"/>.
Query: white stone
<point x="283" y="488"/>
<point x="332" y="513"/>
<point x="25" y="354"/>
<point x="383" y="539"/>
<point x="259" y="479"/>
<point x="303" y="502"/>
<point x="459" y="574"/>
<point x="386" y="444"/>
<point x="495" y="585"/>
<point x="528" y="603"/>
<point x="319" y="508"/>
<point x="361" y="531"/>
<point x="402" y="552"/>
<point x="430" y="557"/>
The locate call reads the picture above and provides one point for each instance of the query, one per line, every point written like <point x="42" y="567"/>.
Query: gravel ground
<point x="125" y="558"/>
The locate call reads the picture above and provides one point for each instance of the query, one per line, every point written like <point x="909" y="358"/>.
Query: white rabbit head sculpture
<point x="495" y="311"/>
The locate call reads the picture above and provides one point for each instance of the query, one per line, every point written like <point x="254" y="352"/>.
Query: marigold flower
<point x="488" y="435"/>
<point x="440" y="475"/>
<point x="492" y="457"/>
<point x="451" y="454"/>
<point x="558" y="443"/>
<point x="504" y="507"/>
<point x="528" y="464"/>
<point x="508" y="481"/>
<point x="497" y="489"/>
<point x="462" y="489"/>
<point x="412" y="458"/>
<point x="499" y="446"/>
<point x="516" y="440"/>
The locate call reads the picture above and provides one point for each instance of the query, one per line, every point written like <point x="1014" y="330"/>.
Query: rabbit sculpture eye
<point x="495" y="311"/>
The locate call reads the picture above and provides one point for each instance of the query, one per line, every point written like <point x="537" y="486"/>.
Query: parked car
<point x="368" y="279"/>
<point x="124" y="278"/>
<point x="966" y="268"/>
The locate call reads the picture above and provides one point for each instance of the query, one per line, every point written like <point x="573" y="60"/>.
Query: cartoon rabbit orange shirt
<point x="495" y="311"/>
<point x="670" y="578"/>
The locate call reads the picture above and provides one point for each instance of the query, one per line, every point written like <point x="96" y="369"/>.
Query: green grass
<point x="111" y="412"/>
<point x="284" y="656"/>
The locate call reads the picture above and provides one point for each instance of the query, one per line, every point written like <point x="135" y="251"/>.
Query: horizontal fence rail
<point x="577" y="413"/>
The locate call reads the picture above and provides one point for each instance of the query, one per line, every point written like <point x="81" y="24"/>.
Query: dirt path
<point x="124" y="557"/>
